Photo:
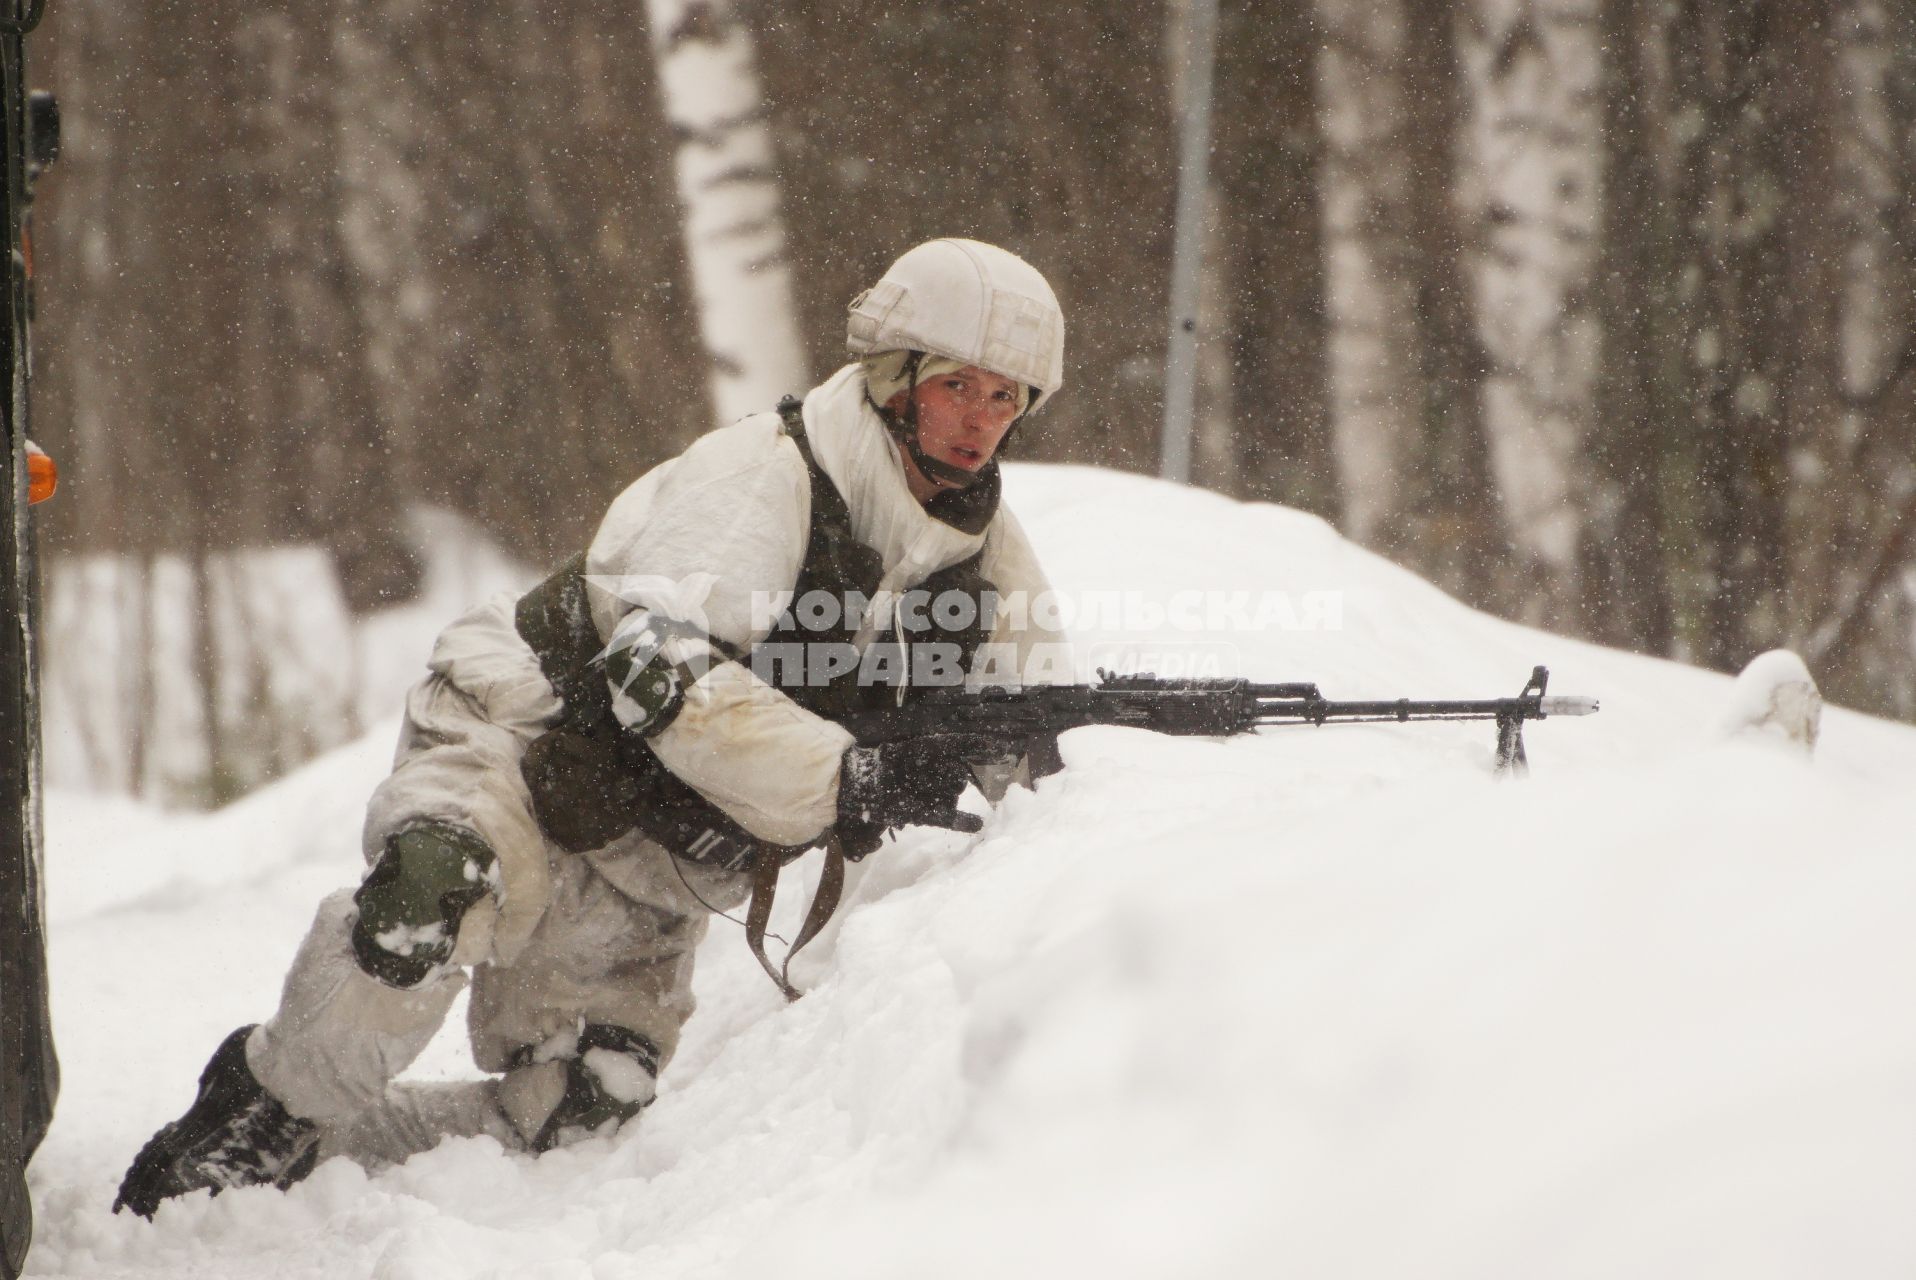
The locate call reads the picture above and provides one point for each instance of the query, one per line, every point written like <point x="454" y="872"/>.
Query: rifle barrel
<point x="1318" y="710"/>
<point x="1570" y="704"/>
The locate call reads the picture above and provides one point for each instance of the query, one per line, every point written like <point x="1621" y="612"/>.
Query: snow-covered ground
<point x="1316" y="1002"/>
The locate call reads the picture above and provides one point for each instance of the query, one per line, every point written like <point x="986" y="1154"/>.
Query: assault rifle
<point x="1004" y="723"/>
<point x="1030" y="719"/>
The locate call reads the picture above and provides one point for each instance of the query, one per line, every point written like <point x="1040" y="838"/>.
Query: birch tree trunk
<point x="1532" y="67"/>
<point x="1376" y="395"/>
<point x="1461" y="541"/>
<point x="1406" y="359"/>
<point x="729" y="192"/>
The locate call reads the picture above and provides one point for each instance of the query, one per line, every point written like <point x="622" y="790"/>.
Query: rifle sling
<point x="831" y="887"/>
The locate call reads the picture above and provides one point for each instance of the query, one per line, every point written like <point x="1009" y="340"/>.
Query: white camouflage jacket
<point x="716" y="537"/>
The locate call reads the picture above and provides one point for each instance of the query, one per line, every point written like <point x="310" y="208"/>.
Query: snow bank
<point x="1315" y="1002"/>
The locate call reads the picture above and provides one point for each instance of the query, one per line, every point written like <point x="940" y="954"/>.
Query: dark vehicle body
<point x="29" y="1075"/>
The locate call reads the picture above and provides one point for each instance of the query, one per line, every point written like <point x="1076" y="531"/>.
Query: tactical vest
<point x="592" y="781"/>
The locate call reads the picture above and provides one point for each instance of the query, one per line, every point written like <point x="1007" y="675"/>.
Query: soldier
<point x="591" y="769"/>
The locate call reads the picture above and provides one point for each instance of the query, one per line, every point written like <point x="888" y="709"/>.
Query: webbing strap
<point x="758" y="917"/>
<point x="826" y="499"/>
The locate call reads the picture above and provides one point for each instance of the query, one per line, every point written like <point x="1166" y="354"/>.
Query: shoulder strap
<point x="828" y="506"/>
<point x="827" y="502"/>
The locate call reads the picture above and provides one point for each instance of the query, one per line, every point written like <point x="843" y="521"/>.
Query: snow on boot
<point x="234" y="1135"/>
<point x="579" y="1084"/>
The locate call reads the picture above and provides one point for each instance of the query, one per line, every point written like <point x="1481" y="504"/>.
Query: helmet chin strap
<point x="939" y="473"/>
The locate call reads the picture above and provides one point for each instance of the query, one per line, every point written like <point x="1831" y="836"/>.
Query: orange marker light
<point x="42" y="476"/>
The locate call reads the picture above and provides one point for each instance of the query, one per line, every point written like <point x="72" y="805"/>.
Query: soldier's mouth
<point x="966" y="457"/>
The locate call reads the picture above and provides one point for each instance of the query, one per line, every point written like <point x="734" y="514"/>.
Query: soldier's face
<point x="963" y="415"/>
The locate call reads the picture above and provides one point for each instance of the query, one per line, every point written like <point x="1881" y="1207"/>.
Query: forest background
<point x="1598" y="313"/>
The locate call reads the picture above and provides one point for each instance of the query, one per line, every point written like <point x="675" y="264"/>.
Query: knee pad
<point x="611" y="1077"/>
<point x="412" y="901"/>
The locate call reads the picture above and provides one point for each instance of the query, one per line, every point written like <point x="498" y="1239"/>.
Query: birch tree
<point x="1532" y="71"/>
<point x="1406" y="359"/>
<point x="1375" y="389"/>
<point x="1459" y="525"/>
<point x="729" y="197"/>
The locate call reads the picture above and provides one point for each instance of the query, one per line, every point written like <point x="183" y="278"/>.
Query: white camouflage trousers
<point x="606" y="937"/>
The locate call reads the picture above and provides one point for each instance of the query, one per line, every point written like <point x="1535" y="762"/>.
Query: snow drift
<point x="1312" y="1002"/>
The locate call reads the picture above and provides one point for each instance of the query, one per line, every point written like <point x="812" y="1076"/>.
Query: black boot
<point x="234" y="1135"/>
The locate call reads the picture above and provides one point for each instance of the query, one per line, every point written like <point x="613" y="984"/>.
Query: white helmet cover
<point x="969" y="301"/>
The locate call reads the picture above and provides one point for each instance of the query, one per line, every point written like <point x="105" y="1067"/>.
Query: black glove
<point x="913" y="782"/>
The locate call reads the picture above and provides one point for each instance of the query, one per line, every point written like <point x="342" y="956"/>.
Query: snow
<point x="1776" y="695"/>
<point x="1313" y="1002"/>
